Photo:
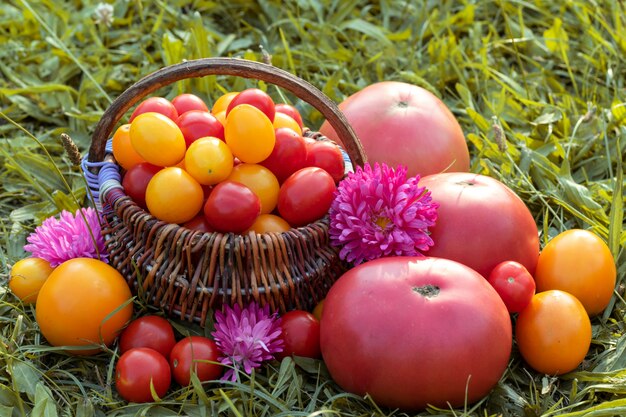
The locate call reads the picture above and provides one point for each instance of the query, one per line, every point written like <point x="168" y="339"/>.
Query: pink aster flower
<point x="378" y="212"/>
<point x="57" y="240"/>
<point x="246" y="337"/>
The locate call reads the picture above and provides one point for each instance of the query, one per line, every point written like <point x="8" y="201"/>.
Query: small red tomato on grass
<point x="136" y="369"/>
<point x="195" y="354"/>
<point x="300" y="334"/>
<point x="514" y="284"/>
<point x="153" y="332"/>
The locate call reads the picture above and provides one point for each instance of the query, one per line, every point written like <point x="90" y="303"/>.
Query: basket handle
<point x="224" y="66"/>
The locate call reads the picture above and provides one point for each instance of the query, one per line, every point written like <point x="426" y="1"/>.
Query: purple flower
<point x="69" y="237"/>
<point x="378" y="212"/>
<point x="246" y="337"/>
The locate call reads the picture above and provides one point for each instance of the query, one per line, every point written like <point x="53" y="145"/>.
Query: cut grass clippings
<point x="538" y="87"/>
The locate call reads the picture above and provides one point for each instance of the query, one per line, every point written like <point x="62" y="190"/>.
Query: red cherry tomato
<point x="153" y="332"/>
<point x="157" y="105"/>
<point x="194" y="354"/>
<point x="300" y="334"/>
<point x="306" y="196"/>
<point x="326" y="155"/>
<point x="136" y="181"/>
<point x="231" y="207"/>
<point x="254" y="97"/>
<point x="288" y="155"/>
<point x="514" y="284"/>
<point x="199" y="223"/>
<point x="290" y="111"/>
<point x="186" y="102"/>
<point x="136" y="369"/>
<point x="196" y="124"/>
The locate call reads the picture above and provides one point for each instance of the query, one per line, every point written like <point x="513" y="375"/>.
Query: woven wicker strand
<point x="187" y="273"/>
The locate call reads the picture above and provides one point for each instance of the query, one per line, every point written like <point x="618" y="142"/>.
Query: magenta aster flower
<point x="246" y="337"/>
<point x="57" y="240"/>
<point x="378" y="212"/>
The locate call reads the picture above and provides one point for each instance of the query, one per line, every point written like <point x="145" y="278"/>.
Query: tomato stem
<point x="428" y="291"/>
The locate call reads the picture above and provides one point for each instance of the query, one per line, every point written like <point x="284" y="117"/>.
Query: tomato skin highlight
<point x="514" y="284"/>
<point x="136" y="369"/>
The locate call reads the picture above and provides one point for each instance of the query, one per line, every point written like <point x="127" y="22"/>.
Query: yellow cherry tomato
<point x="157" y="139"/>
<point x="209" y="160"/>
<point x="249" y="133"/>
<point x="283" y="120"/>
<point x="27" y="277"/>
<point x="261" y="181"/>
<point x="174" y="196"/>
<point x="221" y="104"/>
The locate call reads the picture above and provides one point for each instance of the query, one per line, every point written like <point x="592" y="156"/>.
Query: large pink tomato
<point x="403" y="124"/>
<point x="413" y="331"/>
<point x="481" y="222"/>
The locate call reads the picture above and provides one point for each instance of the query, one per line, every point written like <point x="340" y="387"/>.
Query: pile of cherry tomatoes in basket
<point x="242" y="165"/>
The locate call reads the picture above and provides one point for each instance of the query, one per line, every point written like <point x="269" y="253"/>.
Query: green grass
<point x="538" y="86"/>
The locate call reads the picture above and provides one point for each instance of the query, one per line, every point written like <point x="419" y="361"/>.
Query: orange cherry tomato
<point x="221" y="104"/>
<point x="209" y="160"/>
<point x="261" y="181"/>
<point x="579" y="262"/>
<point x="83" y="302"/>
<point x="269" y="223"/>
<point x="553" y="332"/>
<point x="319" y="309"/>
<point x="221" y="117"/>
<point x="174" y="196"/>
<point x="27" y="277"/>
<point x="249" y="133"/>
<point x="123" y="150"/>
<point x="157" y="139"/>
<point x="283" y="120"/>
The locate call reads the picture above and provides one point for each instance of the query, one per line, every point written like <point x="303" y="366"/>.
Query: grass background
<point x="538" y="87"/>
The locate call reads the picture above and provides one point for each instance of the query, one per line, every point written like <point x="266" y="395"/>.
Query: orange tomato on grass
<point x="83" y="304"/>
<point x="579" y="262"/>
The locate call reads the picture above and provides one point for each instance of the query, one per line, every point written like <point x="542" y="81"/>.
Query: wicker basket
<point x="187" y="273"/>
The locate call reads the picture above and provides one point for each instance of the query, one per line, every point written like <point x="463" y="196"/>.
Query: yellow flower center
<point x="382" y="222"/>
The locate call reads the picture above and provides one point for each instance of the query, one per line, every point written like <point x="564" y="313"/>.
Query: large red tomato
<point x="414" y="331"/>
<point x="403" y="124"/>
<point x="481" y="222"/>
